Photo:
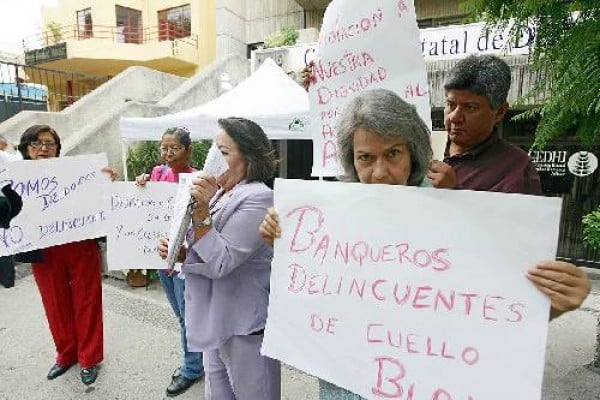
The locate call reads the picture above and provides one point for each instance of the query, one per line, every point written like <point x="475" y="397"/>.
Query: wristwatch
<point x="205" y="222"/>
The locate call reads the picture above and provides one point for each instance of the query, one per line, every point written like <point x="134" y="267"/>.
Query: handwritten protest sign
<point x="137" y="219"/>
<point x="62" y="202"/>
<point x="215" y="165"/>
<point x="363" y="45"/>
<point x="411" y="293"/>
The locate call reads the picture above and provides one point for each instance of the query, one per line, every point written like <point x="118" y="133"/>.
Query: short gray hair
<point x="384" y="113"/>
<point x="485" y="75"/>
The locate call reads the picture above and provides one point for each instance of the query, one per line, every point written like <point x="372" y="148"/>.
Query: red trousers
<point x="70" y="284"/>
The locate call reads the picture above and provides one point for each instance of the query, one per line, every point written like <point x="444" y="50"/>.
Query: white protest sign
<point x="214" y="164"/>
<point x="363" y="45"/>
<point x="62" y="202"/>
<point x="138" y="217"/>
<point x="411" y="293"/>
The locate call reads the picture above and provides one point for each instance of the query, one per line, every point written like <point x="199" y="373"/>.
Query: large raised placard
<point x="138" y="218"/>
<point x="363" y="45"/>
<point x="62" y="202"/>
<point x="411" y="293"/>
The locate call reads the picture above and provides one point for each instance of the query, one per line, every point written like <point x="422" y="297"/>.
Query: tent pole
<point x="283" y="158"/>
<point x="124" y="159"/>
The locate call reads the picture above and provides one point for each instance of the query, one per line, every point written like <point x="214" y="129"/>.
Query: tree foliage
<point x="566" y="52"/>
<point x="287" y="36"/>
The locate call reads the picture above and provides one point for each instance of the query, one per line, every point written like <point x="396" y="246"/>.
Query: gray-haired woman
<point x="381" y="139"/>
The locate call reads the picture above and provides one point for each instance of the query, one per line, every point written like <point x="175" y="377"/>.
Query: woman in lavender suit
<point x="227" y="267"/>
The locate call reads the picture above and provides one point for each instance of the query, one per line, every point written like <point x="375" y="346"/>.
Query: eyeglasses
<point x="38" y="144"/>
<point x="173" y="149"/>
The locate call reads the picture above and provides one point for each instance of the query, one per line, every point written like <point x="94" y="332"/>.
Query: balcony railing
<point x="115" y="34"/>
<point x="24" y="87"/>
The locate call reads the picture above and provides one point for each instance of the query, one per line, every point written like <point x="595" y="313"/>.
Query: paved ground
<point x="141" y="343"/>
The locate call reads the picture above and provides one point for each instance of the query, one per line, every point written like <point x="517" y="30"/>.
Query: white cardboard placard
<point x="63" y="201"/>
<point x="387" y="289"/>
<point x="363" y="45"/>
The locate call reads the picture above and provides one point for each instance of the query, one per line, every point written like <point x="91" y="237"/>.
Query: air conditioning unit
<point x="279" y="55"/>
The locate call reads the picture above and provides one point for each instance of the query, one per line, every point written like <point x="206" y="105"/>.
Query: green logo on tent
<point x="296" y="125"/>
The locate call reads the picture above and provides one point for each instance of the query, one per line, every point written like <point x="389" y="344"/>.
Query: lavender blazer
<point x="227" y="271"/>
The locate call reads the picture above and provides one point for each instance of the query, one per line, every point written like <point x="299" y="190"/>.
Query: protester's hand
<point x="163" y="247"/>
<point x="307" y="75"/>
<point x="442" y="175"/>
<point x="269" y="228"/>
<point x="203" y="188"/>
<point x="110" y="172"/>
<point x="141" y="179"/>
<point x="565" y="284"/>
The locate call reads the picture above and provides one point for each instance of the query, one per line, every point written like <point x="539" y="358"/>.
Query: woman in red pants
<point x="69" y="279"/>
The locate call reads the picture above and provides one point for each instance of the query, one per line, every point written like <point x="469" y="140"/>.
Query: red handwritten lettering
<point x="384" y="376"/>
<point x="303" y="213"/>
<point x="318" y="324"/>
<point x="341" y="33"/>
<point x="374" y="288"/>
<point x="298" y="278"/>
<point x="402" y="8"/>
<point x="470" y="355"/>
<point x="370" y="338"/>
<point x="326" y="94"/>
<point x="414" y="91"/>
<point x="419" y="295"/>
<point x="514" y="309"/>
<point x="419" y="345"/>
<point x="411" y="343"/>
<point x="468" y="297"/>
<point x="490" y="307"/>
<point x="329" y="152"/>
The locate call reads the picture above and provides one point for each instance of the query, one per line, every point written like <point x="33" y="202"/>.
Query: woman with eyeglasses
<point x="69" y="279"/>
<point x="176" y="151"/>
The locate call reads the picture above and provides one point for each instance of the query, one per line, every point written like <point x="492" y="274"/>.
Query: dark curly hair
<point x="254" y="145"/>
<point x="32" y="134"/>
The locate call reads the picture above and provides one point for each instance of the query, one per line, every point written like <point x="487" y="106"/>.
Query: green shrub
<point x="143" y="156"/>
<point x="591" y="229"/>
<point x="286" y="36"/>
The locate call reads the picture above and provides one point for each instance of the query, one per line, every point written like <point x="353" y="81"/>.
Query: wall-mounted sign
<point x="558" y="166"/>
<point x="445" y="42"/>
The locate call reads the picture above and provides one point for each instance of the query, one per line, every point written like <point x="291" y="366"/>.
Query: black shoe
<point x="178" y="385"/>
<point x="89" y="375"/>
<point x="57" y="370"/>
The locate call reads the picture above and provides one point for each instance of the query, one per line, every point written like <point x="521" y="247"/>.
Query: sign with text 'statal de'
<point x="363" y="45"/>
<point x="62" y="202"/>
<point x="411" y="293"/>
<point x="137" y="219"/>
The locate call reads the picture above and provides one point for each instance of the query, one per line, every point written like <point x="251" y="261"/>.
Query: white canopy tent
<point x="268" y="97"/>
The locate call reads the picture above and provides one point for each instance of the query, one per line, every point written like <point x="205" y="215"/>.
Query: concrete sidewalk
<point x="142" y="350"/>
<point x="141" y="341"/>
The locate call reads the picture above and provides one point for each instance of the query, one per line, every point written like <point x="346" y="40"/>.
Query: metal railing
<point x="32" y="88"/>
<point x="115" y="34"/>
<point x="583" y="199"/>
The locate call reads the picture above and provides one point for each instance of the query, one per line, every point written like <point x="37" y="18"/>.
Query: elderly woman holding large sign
<point x="227" y="267"/>
<point x="381" y="139"/>
<point x="69" y="279"/>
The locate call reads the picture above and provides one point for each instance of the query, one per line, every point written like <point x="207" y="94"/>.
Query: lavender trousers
<point x="237" y="371"/>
